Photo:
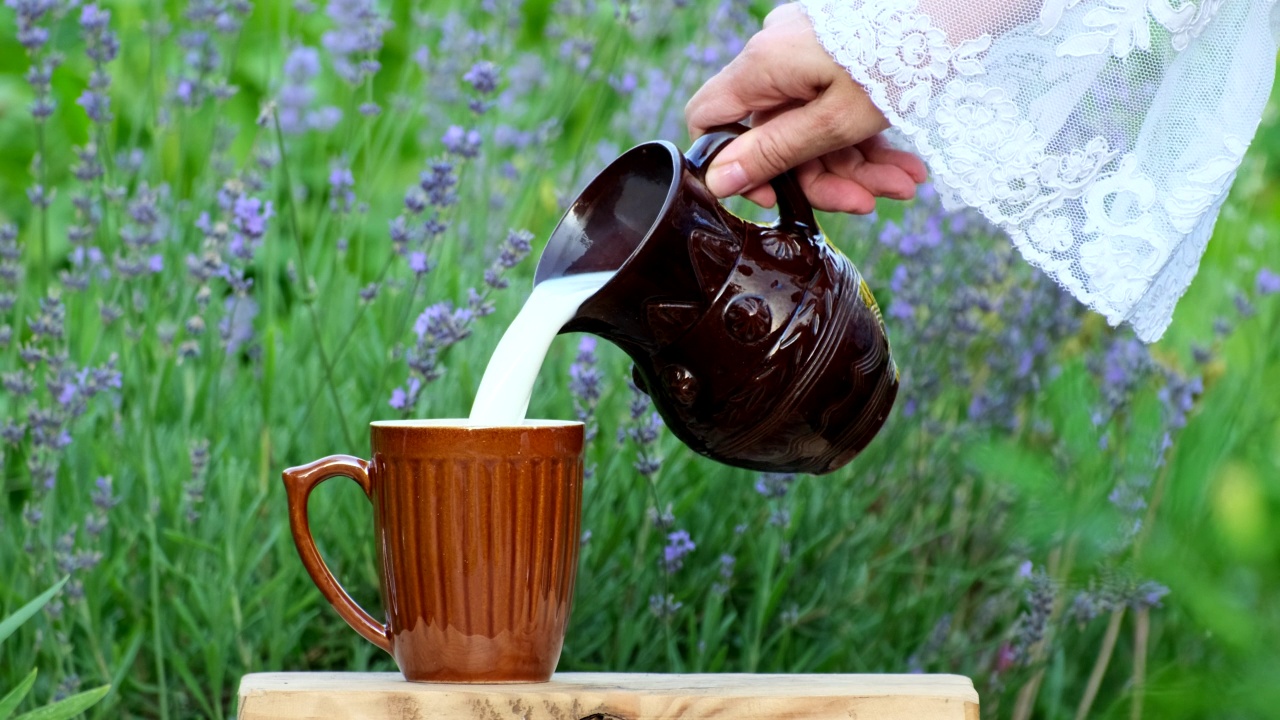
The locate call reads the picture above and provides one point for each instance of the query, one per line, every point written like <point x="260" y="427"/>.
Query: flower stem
<point x="1100" y="665"/>
<point x="1141" y="635"/>
<point x="42" y="177"/>
<point x="306" y="282"/>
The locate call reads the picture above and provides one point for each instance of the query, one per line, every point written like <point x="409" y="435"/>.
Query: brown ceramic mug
<point x="477" y="531"/>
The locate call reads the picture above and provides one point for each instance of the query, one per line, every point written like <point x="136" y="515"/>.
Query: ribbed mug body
<point x="477" y="533"/>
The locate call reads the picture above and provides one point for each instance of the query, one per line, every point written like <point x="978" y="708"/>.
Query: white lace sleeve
<point x="1102" y="135"/>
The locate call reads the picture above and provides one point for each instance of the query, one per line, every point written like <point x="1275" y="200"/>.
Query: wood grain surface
<point x="611" y="696"/>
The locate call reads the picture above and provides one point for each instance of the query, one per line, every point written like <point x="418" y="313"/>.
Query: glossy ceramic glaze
<point x="477" y="532"/>
<point x="761" y="345"/>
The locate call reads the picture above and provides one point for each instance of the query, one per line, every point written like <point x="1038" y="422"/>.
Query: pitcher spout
<point x="669" y="243"/>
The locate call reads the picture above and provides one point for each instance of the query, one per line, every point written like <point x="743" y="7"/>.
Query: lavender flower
<point x="200" y="78"/>
<point x="644" y="429"/>
<point x="406" y="397"/>
<point x="661" y="520"/>
<point x="727" y="563"/>
<point x="49" y="323"/>
<point x="1267" y="282"/>
<point x="515" y="248"/>
<point x="780" y="517"/>
<point x="461" y="142"/>
<point x="483" y="77"/>
<point x="438" y="183"/>
<point x="415" y="201"/>
<point x="584" y="385"/>
<point x="296" y="110"/>
<point x="88" y="168"/>
<point x="418" y="263"/>
<point x="921" y="227"/>
<point x="1178" y="396"/>
<point x="653" y="91"/>
<point x="147" y="226"/>
<point x="104" y="500"/>
<point x="96" y="105"/>
<point x="194" y="488"/>
<point x="577" y="53"/>
<point x="250" y="215"/>
<point x="1033" y="623"/>
<point x="102" y="46"/>
<point x="10" y="265"/>
<point x="774" y="485"/>
<point x="1148" y="595"/>
<point x="678" y="545"/>
<point x="341" y="181"/>
<point x="29" y="13"/>
<point x="236" y="327"/>
<point x="1125" y="363"/>
<point x="356" y="39"/>
<point x="443" y="325"/>
<point x="664" y="607"/>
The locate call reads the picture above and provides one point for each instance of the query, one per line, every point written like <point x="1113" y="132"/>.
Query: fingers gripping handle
<point x="299" y="482"/>
<point x="793" y="207"/>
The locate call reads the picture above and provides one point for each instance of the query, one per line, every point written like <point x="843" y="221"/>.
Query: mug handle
<point x="299" y="482"/>
<point x="794" y="210"/>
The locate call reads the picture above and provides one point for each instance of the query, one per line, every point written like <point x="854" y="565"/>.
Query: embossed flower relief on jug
<point x="761" y="345"/>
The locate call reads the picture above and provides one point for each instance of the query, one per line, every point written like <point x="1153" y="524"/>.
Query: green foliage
<point x="67" y="707"/>
<point x="24" y="613"/>
<point x="60" y="710"/>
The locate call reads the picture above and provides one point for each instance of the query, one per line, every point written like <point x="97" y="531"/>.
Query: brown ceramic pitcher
<point x="477" y="532"/>
<point x="761" y="345"/>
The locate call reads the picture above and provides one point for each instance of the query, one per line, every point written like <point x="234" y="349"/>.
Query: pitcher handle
<point x="794" y="210"/>
<point x="299" y="482"/>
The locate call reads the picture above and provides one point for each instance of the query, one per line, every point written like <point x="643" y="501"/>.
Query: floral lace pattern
<point x="1100" y="134"/>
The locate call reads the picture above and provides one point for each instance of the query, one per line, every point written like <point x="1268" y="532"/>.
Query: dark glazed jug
<point x="761" y="346"/>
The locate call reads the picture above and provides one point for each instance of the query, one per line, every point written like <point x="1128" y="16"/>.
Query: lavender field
<point x="232" y="233"/>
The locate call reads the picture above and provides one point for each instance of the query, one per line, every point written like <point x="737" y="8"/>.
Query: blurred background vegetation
<point x="1021" y="520"/>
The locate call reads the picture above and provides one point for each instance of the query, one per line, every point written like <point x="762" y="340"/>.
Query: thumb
<point x="774" y="147"/>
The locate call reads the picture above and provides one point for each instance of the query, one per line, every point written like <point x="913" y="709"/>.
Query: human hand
<point x="806" y="113"/>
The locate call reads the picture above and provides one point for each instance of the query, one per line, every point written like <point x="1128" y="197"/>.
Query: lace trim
<point x="1089" y="216"/>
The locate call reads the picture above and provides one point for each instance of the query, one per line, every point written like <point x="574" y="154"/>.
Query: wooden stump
<point x="611" y="696"/>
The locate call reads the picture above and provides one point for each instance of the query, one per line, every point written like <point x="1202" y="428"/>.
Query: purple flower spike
<point x="398" y="399"/>
<point x="462" y="142"/>
<point x="1268" y="282"/>
<point x="443" y="325"/>
<point x="515" y="248"/>
<point x="483" y="76"/>
<point x="438" y="183"/>
<point x="774" y="485"/>
<point x="96" y="105"/>
<point x="102" y="495"/>
<point x="251" y="215"/>
<point x="664" y="607"/>
<point x="679" y="544"/>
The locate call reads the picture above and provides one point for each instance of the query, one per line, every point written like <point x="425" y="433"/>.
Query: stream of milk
<point x="505" y="388"/>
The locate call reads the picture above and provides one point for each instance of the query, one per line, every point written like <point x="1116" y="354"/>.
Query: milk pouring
<point x="503" y="397"/>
